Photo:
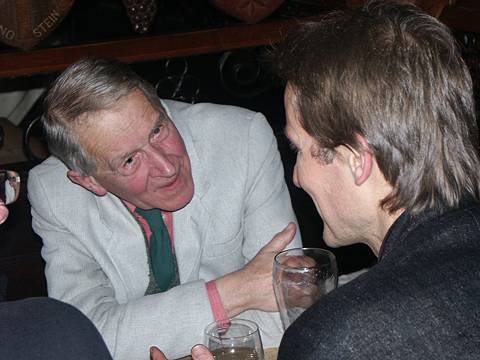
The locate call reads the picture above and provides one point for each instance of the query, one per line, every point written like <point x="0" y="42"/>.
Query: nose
<point x="160" y="164"/>
<point x="295" y="176"/>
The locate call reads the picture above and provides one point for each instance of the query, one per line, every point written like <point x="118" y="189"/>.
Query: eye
<point x="130" y="164"/>
<point x="160" y="132"/>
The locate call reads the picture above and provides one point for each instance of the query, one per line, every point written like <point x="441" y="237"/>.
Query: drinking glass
<point x="9" y="186"/>
<point x="234" y="339"/>
<point x="300" y="277"/>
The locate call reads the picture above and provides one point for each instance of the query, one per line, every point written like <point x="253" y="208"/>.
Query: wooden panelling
<point x="20" y="63"/>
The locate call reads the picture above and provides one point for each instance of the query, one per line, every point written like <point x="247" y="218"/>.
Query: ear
<point x="87" y="182"/>
<point x="361" y="161"/>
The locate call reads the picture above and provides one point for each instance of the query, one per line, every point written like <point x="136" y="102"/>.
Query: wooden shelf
<point x="463" y="15"/>
<point x="24" y="63"/>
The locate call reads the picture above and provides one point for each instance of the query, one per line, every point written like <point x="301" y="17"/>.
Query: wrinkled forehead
<point x="122" y="127"/>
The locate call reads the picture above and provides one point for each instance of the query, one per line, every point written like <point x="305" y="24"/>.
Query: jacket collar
<point x="405" y="224"/>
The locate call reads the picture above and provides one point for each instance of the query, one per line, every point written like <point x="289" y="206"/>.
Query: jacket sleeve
<point x="77" y="274"/>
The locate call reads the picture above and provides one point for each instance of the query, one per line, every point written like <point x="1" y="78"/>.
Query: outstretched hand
<point x="251" y="287"/>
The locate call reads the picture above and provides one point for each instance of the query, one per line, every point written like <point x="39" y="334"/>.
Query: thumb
<point x="156" y="354"/>
<point x="282" y="239"/>
<point x="200" y="352"/>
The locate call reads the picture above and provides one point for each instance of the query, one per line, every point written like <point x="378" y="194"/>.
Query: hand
<point x="251" y="287"/>
<point x="156" y="354"/>
<point x="302" y="288"/>
<point x="3" y="212"/>
<point x="201" y="352"/>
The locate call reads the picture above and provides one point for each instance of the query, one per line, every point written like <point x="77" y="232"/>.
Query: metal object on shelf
<point x="178" y="84"/>
<point x="242" y="75"/>
<point x="35" y="126"/>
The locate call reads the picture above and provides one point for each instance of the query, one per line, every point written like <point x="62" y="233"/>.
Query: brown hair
<point x="393" y="74"/>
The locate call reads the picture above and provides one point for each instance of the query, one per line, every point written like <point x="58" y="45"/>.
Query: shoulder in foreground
<point x="52" y="167"/>
<point x="51" y="176"/>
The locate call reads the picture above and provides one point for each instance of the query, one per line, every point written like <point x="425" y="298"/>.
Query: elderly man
<point x="156" y="216"/>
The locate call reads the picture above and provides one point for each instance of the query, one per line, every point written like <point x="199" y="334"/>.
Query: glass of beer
<point x="234" y="339"/>
<point x="301" y="276"/>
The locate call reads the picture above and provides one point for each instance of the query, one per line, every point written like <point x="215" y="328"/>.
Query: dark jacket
<point x="420" y="301"/>
<point x="44" y="328"/>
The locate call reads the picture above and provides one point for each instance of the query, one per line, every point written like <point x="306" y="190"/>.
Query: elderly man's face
<point x="141" y="156"/>
<point x="329" y="185"/>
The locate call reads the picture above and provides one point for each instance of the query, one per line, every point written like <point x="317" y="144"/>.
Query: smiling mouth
<point x="172" y="184"/>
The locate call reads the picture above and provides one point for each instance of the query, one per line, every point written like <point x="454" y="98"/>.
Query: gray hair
<point x="87" y="86"/>
<point x="393" y="74"/>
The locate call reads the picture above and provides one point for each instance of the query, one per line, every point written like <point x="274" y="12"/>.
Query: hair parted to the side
<point x="84" y="88"/>
<point x="393" y="74"/>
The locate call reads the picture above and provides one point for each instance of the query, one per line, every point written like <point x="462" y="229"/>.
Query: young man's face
<point x="329" y="184"/>
<point x="141" y="156"/>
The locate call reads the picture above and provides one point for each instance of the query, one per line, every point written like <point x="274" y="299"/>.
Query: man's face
<point x="141" y="156"/>
<point x="328" y="184"/>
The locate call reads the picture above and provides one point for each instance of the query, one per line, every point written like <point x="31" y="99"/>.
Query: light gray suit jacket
<point x="95" y="252"/>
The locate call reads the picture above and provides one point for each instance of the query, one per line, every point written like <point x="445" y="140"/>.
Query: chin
<point x="330" y="240"/>
<point x="331" y="244"/>
<point x="175" y="204"/>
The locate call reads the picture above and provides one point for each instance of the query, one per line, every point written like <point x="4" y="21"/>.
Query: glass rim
<point x="252" y="326"/>
<point x="330" y="255"/>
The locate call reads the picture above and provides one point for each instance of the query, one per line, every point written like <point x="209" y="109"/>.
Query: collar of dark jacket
<point x="407" y="222"/>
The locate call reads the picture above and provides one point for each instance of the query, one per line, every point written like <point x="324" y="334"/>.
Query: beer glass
<point x="234" y="339"/>
<point x="300" y="277"/>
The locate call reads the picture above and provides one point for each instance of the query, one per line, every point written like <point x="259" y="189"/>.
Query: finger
<point x="156" y="354"/>
<point x="299" y="261"/>
<point x="201" y="352"/>
<point x="3" y="213"/>
<point x="282" y="239"/>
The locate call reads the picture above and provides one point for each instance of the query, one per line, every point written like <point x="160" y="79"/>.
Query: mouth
<point x="172" y="184"/>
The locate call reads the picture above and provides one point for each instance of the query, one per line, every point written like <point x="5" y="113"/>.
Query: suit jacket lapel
<point x="126" y="247"/>
<point x="190" y="224"/>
